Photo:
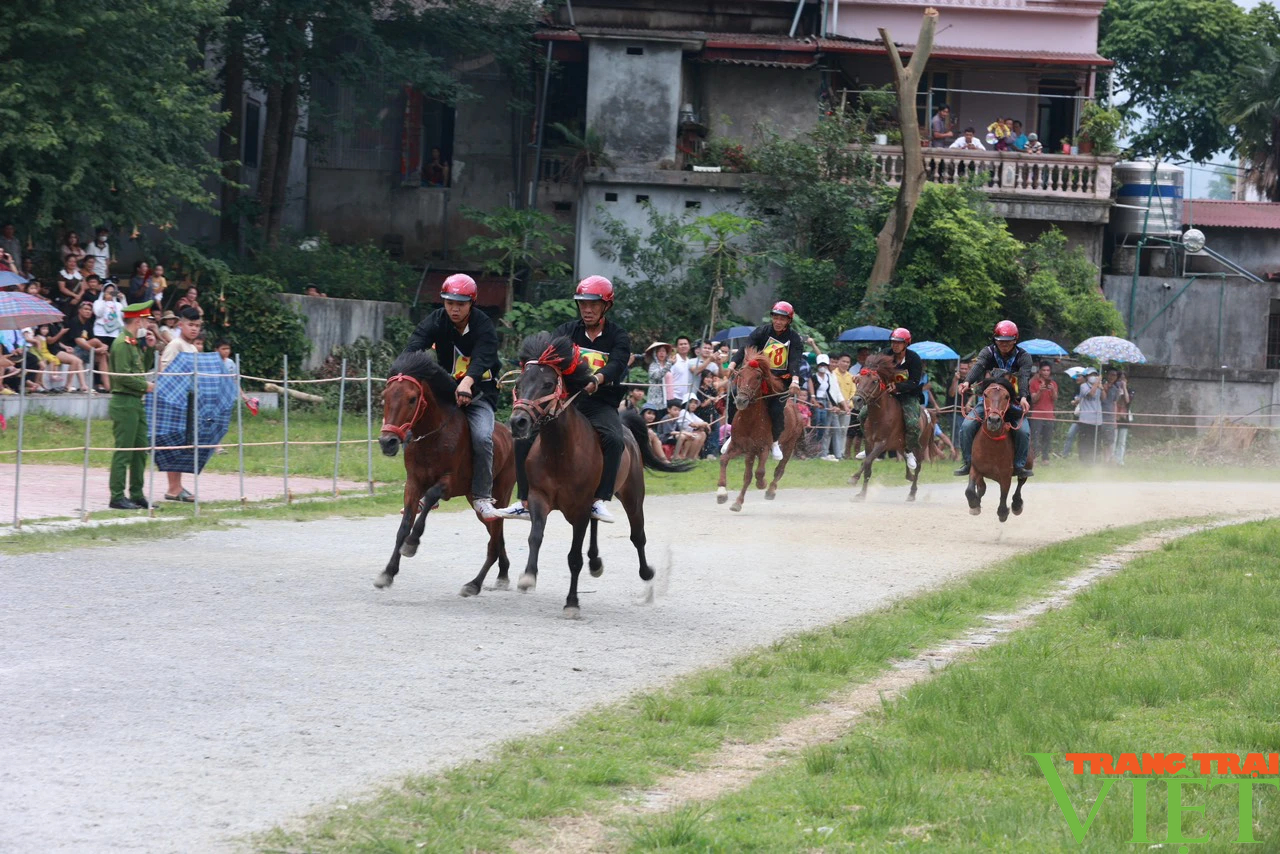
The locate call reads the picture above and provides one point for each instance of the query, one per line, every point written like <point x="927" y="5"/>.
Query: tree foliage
<point x="106" y="111"/>
<point x="362" y="271"/>
<point x="1060" y="298"/>
<point x="519" y="243"/>
<point x="1252" y="105"/>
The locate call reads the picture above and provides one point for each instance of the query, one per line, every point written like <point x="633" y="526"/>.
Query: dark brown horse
<point x="752" y="434"/>
<point x="883" y="427"/>
<point x="420" y="412"/>
<point x="993" y="453"/>
<point x="565" y="461"/>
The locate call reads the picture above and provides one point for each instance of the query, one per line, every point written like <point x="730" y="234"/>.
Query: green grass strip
<point x="488" y="805"/>
<point x="1177" y="653"/>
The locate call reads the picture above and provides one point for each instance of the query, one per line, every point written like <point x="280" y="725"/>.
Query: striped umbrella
<point x="19" y="310"/>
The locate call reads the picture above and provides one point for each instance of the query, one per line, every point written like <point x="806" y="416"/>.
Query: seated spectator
<point x="168" y="328"/>
<point x="650" y="414"/>
<point x="191" y="299"/>
<point x="968" y="142"/>
<point x="633" y="401"/>
<point x="1034" y="145"/>
<point x="14" y="345"/>
<point x="70" y="284"/>
<point x="692" y="431"/>
<point x="38" y="343"/>
<point x="139" y="289"/>
<point x="665" y="425"/>
<point x="86" y="345"/>
<point x="28" y="267"/>
<point x="1018" y="139"/>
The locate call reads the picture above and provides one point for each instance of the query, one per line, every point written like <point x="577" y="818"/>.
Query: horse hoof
<point x="1003" y="517"/>
<point x="853" y="479"/>
<point x="383" y="581"/>
<point x="596" y="567"/>
<point x="1017" y="511"/>
<point x="858" y="496"/>
<point x="975" y="511"/>
<point x="911" y="497"/>
<point x="469" y="590"/>
<point x="571" y="612"/>
<point x="408" y="549"/>
<point x="736" y="508"/>
<point x="527" y="582"/>
<point x="646" y="573"/>
<point x="501" y="584"/>
<point x="722" y="499"/>
<point x="770" y="495"/>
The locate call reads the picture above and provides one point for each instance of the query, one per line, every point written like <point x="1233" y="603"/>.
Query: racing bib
<point x="776" y="353"/>
<point x="595" y="359"/>
<point x="461" y="363"/>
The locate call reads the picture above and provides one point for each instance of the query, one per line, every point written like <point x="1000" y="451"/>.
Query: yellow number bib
<point x="461" y="363"/>
<point x="594" y="359"/>
<point x="776" y="353"/>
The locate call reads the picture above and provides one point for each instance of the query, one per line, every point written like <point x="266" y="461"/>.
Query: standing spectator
<point x="87" y="345"/>
<point x="100" y="249"/>
<point x="658" y="355"/>
<point x="685" y="369"/>
<point x="1018" y="139"/>
<point x="191" y="299"/>
<point x="838" y="420"/>
<point x="436" y="172"/>
<point x="189" y="329"/>
<point x="829" y="400"/>
<point x="1090" y="397"/>
<point x="1123" y="416"/>
<point x="71" y="248"/>
<point x="109" y="311"/>
<point x="1044" y="396"/>
<point x="139" y="289"/>
<point x="158" y="284"/>
<point x="70" y="284"/>
<point x="941" y="134"/>
<point x="1110" y="397"/>
<point x="92" y="289"/>
<point x="12" y="246"/>
<point x="853" y="445"/>
<point x="128" y="415"/>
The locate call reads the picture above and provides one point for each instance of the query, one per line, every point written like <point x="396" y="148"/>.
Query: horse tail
<point x="635" y="424"/>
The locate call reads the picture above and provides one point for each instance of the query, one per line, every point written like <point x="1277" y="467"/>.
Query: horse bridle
<point x="867" y="372"/>
<point x="995" y="437"/>
<point x="764" y="384"/>
<point x="549" y="406"/>
<point x="404" y="432"/>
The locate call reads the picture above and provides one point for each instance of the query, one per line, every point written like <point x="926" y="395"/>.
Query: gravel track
<point x="178" y="696"/>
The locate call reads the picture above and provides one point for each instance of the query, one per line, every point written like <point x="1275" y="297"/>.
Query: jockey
<point x="906" y="388"/>
<point x="782" y="348"/>
<point x="1007" y="356"/>
<point x="466" y="341"/>
<point x="606" y="350"/>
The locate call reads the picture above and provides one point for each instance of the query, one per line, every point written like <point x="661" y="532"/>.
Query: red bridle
<point x="404" y="431"/>
<point x="867" y="372"/>
<point x="547" y="407"/>
<point x="998" y="412"/>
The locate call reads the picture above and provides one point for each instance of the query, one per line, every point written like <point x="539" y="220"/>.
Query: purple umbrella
<point x="19" y="310"/>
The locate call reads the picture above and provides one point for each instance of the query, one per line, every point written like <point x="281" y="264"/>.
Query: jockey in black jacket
<point x="1004" y="354"/>
<point x="782" y="349"/>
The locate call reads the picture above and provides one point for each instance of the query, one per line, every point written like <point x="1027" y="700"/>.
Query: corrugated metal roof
<point x="1224" y="214"/>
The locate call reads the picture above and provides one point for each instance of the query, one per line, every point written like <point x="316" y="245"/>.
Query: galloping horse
<point x="565" y="462"/>
<point x="419" y="411"/>
<point x="883" y="427"/>
<point x="993" y="453"/>
<point x="752" y="434"/>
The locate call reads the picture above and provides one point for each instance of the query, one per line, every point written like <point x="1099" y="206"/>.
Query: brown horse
<point x="993" y="454"/>
<point x="565" y="461"/>
<point x="419" y="411"/>
<point x="883" y="427"/>
<point x="752" y="435"/>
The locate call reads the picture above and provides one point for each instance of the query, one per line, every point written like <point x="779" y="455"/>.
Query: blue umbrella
<point x="9" y="280"/>
<point x="1042" y="347"/>
<point x="865" y="333"/>
<point x="733" y="332"/>
<point x="934" y="350"/>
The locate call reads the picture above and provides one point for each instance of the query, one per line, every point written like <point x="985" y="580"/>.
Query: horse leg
<point x="760" y="468"/>
<point x="538" y="513"/>
<point x="722" y="486"/>
<point x="973" y="494"/>
<point x="594" y="563"/>
<point x="872" y="454"/>
<point x="412" y="495"/>
<point x="1002" y="512"/>
<point x="748" y="463"/>
<point x="1016" y="504"/>
<point x="494" y="551"/>
<point x="778" y="471"/>
<point x="410" y="546"/>
<point x="914" y="477"/>
<point x="571" y="611"/>
<point x="633" y="505"/>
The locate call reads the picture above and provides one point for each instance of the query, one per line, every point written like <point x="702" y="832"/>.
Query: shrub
<point x="360" y="271"/>
<point x="247" y="311"/>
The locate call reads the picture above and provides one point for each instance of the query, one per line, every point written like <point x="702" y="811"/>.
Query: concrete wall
<point x="1255" y="249"/>
<point x="334" y="322"/>
<point x="1188" y="333"/>
<point x="735" y="99"/>
<point x="1175" y="390"/>
<point x="1088" y="236"/>
<point x="634" y="100"/>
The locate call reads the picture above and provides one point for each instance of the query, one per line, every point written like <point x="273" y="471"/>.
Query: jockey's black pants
<point x="606" y="420"/>
<point x="777" y="406"/>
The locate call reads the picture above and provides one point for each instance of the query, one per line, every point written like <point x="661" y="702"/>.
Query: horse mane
<point x="750" y="354"/>
<point x="882" y="364"/>
<point x="556" y="352"/>
<point x="422" y="366"/>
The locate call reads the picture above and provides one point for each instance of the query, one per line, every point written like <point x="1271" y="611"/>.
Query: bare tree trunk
<point x="906" y="80"/>
<point x="289" y="106"/>
<point x="270" y="155"/>
<point x="229" y="140"/>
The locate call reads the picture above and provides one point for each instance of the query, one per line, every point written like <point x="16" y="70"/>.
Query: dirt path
<point x="175" y="696"/>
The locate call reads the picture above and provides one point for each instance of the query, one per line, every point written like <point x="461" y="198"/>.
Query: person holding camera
<point x="109" y="311"/>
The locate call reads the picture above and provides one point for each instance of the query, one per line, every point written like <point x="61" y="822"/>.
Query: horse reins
<point x="404" y="432"/>
<point x="545" y="408"/>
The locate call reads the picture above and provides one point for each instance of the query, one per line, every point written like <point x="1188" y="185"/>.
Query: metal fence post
<point x="195" y="431"/>
<point x="240" y="427"/>
<point x="151" y="452"/>
<point x="368" y="417"/>
<point x="287" y="498"/>
<point x="17" y="469"/>
<point x="88" y="440"/>
<point x="337" y="446"/>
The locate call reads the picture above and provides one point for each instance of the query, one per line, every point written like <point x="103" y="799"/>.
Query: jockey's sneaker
<point x="962" y="471"/>
<point x="600" y="511"/>
<point x="776" y="451"/>
<point x="516" y="511"/>
<point x="422" y="504"/>
<point x="911" y="461"/>
<point x="861" y="455"/>
<point x="484" y="507"/>
<point x="1023" y="472"/>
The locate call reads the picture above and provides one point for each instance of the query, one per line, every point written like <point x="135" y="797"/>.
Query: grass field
<point x="486" y="806"/>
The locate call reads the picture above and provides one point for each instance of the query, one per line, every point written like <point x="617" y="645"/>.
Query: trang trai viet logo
<point x="1178" y="775"/>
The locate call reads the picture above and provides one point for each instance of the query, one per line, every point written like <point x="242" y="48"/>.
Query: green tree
<point x="106" y="112"/>
<point x="1252" y="106"/>
<point x="520" y="243"/>
<point x="1060" y="298"/>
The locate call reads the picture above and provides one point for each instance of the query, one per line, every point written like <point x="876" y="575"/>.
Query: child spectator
<point x="1034" y="145"/>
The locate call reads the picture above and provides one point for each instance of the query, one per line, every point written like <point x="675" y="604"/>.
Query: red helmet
<point x="594" y="288"/>
<point x="1006" y="330"/>
<point x="458" y="288"/>
<point x="902" y="333"/>
<point x="783" y="308"/>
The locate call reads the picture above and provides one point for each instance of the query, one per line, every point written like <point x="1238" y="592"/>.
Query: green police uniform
<point x="128" y="416"/>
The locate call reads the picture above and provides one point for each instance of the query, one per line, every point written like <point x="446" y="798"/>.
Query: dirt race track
<point x="177" y="696"/>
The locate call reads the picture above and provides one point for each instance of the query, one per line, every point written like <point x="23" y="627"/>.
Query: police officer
<point x="128" y="415"/>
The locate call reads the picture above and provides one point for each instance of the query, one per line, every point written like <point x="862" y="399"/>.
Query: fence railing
<point x="1058" y="175"/>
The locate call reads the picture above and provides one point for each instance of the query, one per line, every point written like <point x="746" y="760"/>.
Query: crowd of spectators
<point x="1003" y="134"/>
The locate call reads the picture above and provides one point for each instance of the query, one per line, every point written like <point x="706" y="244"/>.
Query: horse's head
<point x="873" y="379"/>
<point x="416" y="385"/>
<point x="549" y="373"/>
<point x="753" y="380"/>
<point x="995" y="403"/>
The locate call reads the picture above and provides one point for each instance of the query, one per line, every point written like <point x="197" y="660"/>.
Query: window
<point x="252" y="130"/>
<point x="610" y="197"/>
<point x="1273" y="337"/>
<point x="937" y="82"/>
<point x="635" y="51"/>
<point x="563" y="207"/>
<point x="692" y="204"/>
<point x="641" y="198"/>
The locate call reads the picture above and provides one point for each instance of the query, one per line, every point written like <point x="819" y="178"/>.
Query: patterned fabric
<point x="172" y="404"/>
